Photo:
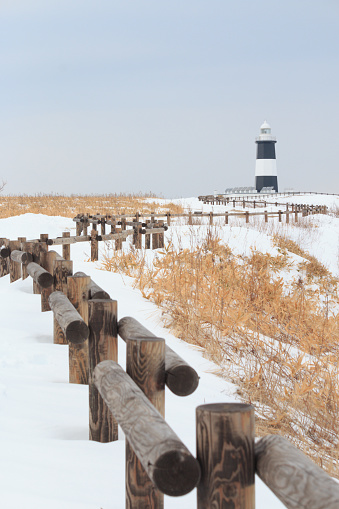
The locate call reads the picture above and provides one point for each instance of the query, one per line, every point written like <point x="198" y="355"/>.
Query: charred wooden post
<point x="103" y="345"/>
<point x="61" y="270"/>
<point x="94" y="246"/>
<point x="14" y="267"/>
<point x="145" y="364"/>
<point x="102" y="226"/>
<point x="225" y="451"/>
<point x="95" y="291"/>
<point x="78" y="225"/>
<point x="41" y="277"/>
<point x="70" y="321"/>
<point x="77" y="292"/>
<point x="118" y="242"/>
<point x="30" y="247"/>
<point x="66" y="248"/>
<point x="4" y="261"/>
<point x="168" y="463"/>
<point x="147" y="236"/>
<point x="181" y="378"/>
<point x="113" y="224"/>
<point x="292" y="476"/>
<point x="161" y="238"/>
<point x="85" y="225"/>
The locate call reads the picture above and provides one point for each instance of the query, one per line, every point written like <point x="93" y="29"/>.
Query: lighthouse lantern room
<point x="266" y="166"/>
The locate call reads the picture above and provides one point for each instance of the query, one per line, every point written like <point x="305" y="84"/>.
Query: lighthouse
<point x="265" y="165"/>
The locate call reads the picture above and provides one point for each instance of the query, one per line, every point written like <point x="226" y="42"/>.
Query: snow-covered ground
<point x="46" y="460"/>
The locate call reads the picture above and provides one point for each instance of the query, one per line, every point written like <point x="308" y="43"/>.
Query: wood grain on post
<point x="77" y="292"/>
<point x="167" y="461"/>
<point x="181" y="378"/>
<point x="47" y="259"/>
<point x="103" y="345"/>
<point x="14" y="267"/>
<point x="147" y="237"/>
<point x="4" y="262"/>
<point x="155" y="237"/>
<point x="293" y="477"/>
<point x="72" y="324"/>
<point x="94" y="246"/>
<point x="95" y="291"/>
<point x="145" y="364"/>
<point x="41" y="277"/>
<point x="225" y="451"/>
<point x="61" y="270"/>
<point x="66" y="248"/>
<point x="161" y="238"/>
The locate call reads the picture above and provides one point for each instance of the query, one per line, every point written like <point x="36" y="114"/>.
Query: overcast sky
<point x="166" y="96"/>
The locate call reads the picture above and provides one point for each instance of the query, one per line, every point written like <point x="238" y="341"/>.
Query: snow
<point x="47" y="461"/>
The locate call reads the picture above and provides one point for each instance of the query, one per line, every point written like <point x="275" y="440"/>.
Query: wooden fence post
<point x="77" y="292"/>
<point x="155" y="237"/>
<point x="47" y="262"/>
<point x="14" y="267"/>
<point x="225" y="451"/>
<point x="226" y="217"/>
<point x="211" y="218"/>
<point x="4" y="262"/>
<point x="190" y="218"/>
<point x="145" y="364"/>
<point x="279" y="215"/>
<point x="296" y="215"/>
<point x="266" y="217"/>
<point x="61" y="270"/>
<point x="247" y="215"/>
<point x="147" y="236"/>
<point x="168" y="218"/>
<point x="66" y="248"/>
<point x="161" y="237"/>
<point x="94" y="246"/>
<point x="103" y="345"/>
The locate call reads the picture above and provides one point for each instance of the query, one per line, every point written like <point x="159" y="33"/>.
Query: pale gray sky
<point x="128" y="96"/>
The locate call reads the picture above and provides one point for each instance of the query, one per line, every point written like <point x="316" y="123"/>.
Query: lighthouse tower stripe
<point x="266" y="166"/>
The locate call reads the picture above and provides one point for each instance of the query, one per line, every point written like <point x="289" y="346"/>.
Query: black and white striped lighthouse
<point x="266" y="165"/>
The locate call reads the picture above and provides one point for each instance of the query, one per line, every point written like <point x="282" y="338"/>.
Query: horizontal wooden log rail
<point x="70" y="321"/>
<point x="21" y="256"/>
<point x="168" y="463"/>
<point x="181" y="378"/>
<point x="43" y="278"/>
<point x="293" y="477"/>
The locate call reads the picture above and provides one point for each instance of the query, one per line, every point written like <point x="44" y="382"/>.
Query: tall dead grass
<point x="278" y="342"/>
<point x="69" y="206"/>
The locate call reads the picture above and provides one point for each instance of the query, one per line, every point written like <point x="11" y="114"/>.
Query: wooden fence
<point x="157" y="462"/>
<point x="153" y="225"/>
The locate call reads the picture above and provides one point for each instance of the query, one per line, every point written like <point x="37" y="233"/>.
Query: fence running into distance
<point x="157" y="462"/>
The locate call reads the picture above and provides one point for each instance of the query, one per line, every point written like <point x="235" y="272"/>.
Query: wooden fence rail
<point x="157" y="462"/>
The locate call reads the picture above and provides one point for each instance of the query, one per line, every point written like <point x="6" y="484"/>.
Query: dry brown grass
<point x="278" y="343"/>
<point x="69" y="206"/>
